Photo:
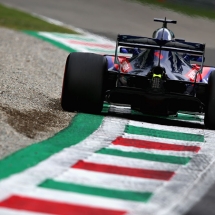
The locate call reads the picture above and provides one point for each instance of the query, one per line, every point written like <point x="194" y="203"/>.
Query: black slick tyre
<point x="210" y="106"/>
<point x="83" y="84"/>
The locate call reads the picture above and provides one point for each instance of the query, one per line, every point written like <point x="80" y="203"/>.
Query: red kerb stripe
<point x="91" y="44"/>
<point x="52" y="207"/>
<point x="142" y="173"/>
<point x="153" y="145"/>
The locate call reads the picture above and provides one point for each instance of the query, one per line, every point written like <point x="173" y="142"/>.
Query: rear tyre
<point x="83" y="84"/>
<point x="210" y="107"/>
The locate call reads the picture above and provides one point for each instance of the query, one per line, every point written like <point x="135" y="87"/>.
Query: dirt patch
<point x="33" y="122"/>
<point x="30" y="89"/>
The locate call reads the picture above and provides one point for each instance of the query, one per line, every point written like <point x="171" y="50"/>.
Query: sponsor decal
<point x="192" y="74"/>
<point x="200" y="77"/>
<point x="158" y="54"/>
<point x="125" y="65"/>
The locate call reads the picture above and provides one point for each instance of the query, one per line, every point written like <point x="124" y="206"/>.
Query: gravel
<point x="30" y="87"/>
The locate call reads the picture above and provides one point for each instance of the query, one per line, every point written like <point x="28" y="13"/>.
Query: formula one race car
<point x="160" y="76"/>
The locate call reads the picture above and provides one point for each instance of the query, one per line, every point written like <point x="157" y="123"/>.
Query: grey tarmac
<point x="112" y="17"/>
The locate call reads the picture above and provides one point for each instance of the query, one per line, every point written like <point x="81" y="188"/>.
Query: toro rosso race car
<point x="161" y="75"/>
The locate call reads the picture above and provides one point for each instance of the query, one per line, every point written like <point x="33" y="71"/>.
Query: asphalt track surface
<point x="112" y="17"/>
<point x="108" y="18"/>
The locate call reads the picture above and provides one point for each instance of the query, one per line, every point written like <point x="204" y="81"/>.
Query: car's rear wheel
<point x="83" y="84"/>
<point x="210" y="106"/>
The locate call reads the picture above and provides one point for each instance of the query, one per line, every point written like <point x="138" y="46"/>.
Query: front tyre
<point x="83" y="84"/>
<point x="210" y="107"/>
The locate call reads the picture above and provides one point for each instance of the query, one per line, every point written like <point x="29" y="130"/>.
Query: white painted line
<point x="109" y="181"/>
<point x="131" y="162"/>
<point x="5" y="211"/>
<point x="79" y="30"/>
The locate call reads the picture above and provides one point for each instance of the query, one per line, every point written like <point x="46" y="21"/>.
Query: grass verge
<point x="181" y="8"/>
<point x="19" y="20"/>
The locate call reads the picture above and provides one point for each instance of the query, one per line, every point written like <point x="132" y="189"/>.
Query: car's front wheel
<point x="83" y="84"/>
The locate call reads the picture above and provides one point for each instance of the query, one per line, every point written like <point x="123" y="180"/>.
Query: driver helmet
<point x="163" y="34"/>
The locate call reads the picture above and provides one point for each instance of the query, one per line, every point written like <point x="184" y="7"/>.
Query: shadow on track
<point x="158" y="120"/>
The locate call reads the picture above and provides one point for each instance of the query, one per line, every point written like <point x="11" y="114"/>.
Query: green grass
<point x="185" y="9"/>
<point x="18" y="20"/>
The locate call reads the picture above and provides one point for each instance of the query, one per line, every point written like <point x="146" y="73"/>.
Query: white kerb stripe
<point x="131" y="162"/>
<point x="5" y="211"/>
<point x="109" y="181"/>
